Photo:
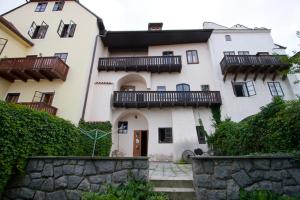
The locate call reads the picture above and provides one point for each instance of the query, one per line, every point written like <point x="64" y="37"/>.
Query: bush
<point x="103" y="146"/>
<point x="262" y="195"/>
<point x="24" y="132"/>
<point x="134" y="190"/>
<point x="274" y="129"/>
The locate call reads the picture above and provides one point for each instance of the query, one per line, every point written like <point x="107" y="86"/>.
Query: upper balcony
<point x="154" y="64"/>
<point x="40" y="106"/>
<point x="152" y="99"/>
<point x="32" y="67"/>
<point x="256" y="64"/>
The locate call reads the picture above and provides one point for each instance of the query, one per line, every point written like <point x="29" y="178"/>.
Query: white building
<point x="157" y="86"/>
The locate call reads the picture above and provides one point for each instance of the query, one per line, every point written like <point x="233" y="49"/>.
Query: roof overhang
<point x="144" y="39"/>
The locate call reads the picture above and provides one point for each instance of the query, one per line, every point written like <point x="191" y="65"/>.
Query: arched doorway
<point x="130" y="136"/>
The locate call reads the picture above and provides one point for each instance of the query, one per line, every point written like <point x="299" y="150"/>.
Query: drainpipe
<point x="89" y="79"/>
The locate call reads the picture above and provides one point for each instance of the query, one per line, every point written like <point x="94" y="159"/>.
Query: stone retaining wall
<point x="60" y="178"/>
<point x="222" y="177"/>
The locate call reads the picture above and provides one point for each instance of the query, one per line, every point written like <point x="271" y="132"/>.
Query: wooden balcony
<point x="40" y="106"/>
<point x="151" y="99"/>
<point x="36" y="68"/>
<point x="154" y="64"/>
<point x="255" y="64"/>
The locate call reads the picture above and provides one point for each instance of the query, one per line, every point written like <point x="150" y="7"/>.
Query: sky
<point x="282" y="16"/>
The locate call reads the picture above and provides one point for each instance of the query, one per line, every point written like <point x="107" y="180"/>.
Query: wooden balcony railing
<point x="267" y="64"/>
<point x="148" y="99"/>
<point x="33" y="68"/>
<point x="40" y="106"/>
<point x="154" y="64"/>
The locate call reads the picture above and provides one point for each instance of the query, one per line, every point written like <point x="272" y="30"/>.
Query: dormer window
<point x="58" y="6"/>
<point x="66" y="30"/>
<point x="38" y="31"/>
<point x="41" y="7"/>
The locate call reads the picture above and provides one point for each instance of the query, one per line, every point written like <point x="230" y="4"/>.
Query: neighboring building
<point x="47" y="51"/>
<point x="157" y="87"/>
<point x="294" y="77"/>
<point x="247" y="69"/>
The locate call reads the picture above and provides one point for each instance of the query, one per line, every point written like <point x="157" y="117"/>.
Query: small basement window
<point x="165" y="135"/>
<point x="58" y="6"/>
<point x="243" y="89"/>
<point x="66" y="30"/>
<point x="122" y="127"/>
<point x="38" y="31"/>
<point x="41" y="7"/>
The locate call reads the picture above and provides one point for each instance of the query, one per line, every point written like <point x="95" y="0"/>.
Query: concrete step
<point x="173" y="183"/>
<point x="177" y="193"/>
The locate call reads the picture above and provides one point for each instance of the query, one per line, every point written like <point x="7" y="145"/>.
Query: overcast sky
<point x="282" y="16"/>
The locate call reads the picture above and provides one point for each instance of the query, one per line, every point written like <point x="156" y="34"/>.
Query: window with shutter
<point x="66" y="30"/>
<point x="32" y="29"/>
<point x="60" y="28"/>
<point x="243" y="89"/>
<point x="38" y="32"/>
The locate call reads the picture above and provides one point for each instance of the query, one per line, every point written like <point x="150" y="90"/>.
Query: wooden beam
<point x="274" y="75"/>
<point x="20" y="74"/>
<point x="225" y="75"/>
<point x="237" y="70"/>
<point x="247" y="73"/>
<point x="258" y="70"/>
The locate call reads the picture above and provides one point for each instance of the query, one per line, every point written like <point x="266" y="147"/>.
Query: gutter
<point x="89" y="79"/>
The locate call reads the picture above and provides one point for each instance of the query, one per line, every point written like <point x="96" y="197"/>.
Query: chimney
<point x="155" y="26"/>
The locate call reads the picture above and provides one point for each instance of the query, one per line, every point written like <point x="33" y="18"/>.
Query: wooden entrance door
<point x="137" y="141"/>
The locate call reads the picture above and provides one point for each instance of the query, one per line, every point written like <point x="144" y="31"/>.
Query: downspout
<point x="89" y="79"/>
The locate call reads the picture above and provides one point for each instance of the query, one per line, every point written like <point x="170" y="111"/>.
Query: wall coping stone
<point x="88" y="158"/>
<point x="243" y="157"/>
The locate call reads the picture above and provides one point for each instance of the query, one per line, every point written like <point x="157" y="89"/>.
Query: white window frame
<point x="275" y="89"/>
<point x="248" y="88"/>
<point x="228" y="38"/>
<point x="192" y="57"/>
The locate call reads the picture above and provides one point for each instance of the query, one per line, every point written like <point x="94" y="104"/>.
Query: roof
<point x="144" y="39"/>
<point x="13" y="29"/>
<point x="279" y="46"/>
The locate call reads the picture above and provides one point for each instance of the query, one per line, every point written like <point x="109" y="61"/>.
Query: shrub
<point x="25" y="132"/>
<point x="103" y="146"/>
<point x="274" y="129"/>
<point x="134" y="190"/>
<point x="262" y="195"/>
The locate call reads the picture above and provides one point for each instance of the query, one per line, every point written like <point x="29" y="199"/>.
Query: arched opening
<point x="130" y="134"/>
<point x="132" y="82"/>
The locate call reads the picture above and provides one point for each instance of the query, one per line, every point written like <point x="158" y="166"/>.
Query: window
<point x="243" y="89"/>
<point x="127" y="88"/>
<point x="122" y="127"/>
<point x="229" y="53"/>
<point x="41" y="7"/>
<point x="201" y="134"/>
<point x="262" y="53"/>
<point x="44" y="97"/>
<point x="192" y="57"/>
<point x="62" y="56"/>
<point x="12" y="97"/>
<point x="183" y="87"/>
<point x="243" y="52"/>
<point x="3" y="43"/>
<point x="161" y="88"/>
<point x="66" y="30"/>
<point x="205" y="87"/>
<point x="275" y="89"/>
<point x="227" y="37"/>
<point x="38" y="31"/>
<point x="165" y="135"/>
<point x="168" y="53"/>
<point x="58" y="6"/>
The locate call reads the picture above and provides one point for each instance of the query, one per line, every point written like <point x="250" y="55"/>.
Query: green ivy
<point x="25" y="132"/>
<point x="103" y="146"/>
<point x="216" y="114"/>
<point x="262" y="195"/>
<point x="274" y="129"/>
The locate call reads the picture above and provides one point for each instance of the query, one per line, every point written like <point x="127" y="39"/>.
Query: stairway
<point x="176" y="189"/>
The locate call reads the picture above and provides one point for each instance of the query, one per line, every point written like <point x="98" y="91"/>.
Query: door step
<point x="175" y="189"/>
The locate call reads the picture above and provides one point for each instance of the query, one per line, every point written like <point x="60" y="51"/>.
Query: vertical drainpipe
<point x="89" y="79"/>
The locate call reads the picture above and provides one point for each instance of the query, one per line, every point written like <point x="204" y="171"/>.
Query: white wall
<point x="237" y="108"/>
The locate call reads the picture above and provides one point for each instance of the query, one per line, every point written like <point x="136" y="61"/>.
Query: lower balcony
<point x="40" y="106"/>
<point x="33" y="67"/>
<point x="152" y="99"/>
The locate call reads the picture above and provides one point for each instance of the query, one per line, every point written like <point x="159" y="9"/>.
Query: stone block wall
<point x="60" y="178"/>
<point x="219" y="177"/>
